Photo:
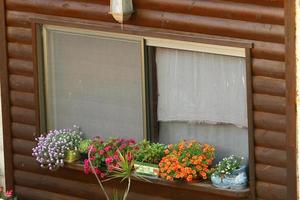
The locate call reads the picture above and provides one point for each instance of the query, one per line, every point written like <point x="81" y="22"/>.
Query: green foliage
<point x="84" y="144"/>
<point x="227" y="165"/>
<point x="150" y="152"/>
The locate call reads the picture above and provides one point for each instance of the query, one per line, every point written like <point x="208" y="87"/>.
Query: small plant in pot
<point x="230" y="173"/>
<point x="84" y="148"/>
<point x="187" y="161"/>
<point x="148" y="156"/>
<point x="57" y="147"/>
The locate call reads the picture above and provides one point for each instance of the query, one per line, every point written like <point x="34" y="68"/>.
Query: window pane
<point x="202" y="96"/>
<point x="94" y="82"/>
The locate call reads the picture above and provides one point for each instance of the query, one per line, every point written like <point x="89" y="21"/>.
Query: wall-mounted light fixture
<point x="121" y="10"/>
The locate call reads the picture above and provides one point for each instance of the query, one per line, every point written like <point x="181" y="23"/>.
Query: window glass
<point x="202" y="96"/>
<point x="94" y="82"/>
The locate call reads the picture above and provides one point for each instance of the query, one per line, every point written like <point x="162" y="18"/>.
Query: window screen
<point x="202" y="96"/>
<point x="94" y="82"/>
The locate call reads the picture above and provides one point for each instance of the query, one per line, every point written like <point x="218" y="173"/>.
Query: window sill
<point x="197" y="187"/>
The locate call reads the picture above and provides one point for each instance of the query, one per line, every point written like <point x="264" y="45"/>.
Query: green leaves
<point x="150" y="152"/>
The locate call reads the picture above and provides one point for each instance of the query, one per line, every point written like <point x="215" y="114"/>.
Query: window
<point x="93" y="80"/>
<point x="118" y="85"/>
<point x="202" y="96"/>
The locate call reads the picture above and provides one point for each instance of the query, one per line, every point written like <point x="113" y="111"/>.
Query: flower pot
<point x="237" y="180"/>
<point x="146" y="169"/>
<point x="71" y="156"/>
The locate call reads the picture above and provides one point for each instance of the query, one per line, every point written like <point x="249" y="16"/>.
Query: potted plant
<point x="83" y="147"/>
<point x="230" y="173"/>
<point x="8" y="195"/>
<point x="147" y="158"/>
<point x="57" y="147"/>
<point x="186" y="161"/>
<point x="112" y="160"/>
<point x="104" y="154"/>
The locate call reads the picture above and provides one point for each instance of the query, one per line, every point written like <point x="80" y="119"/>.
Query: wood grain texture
<point x="268" y="68"/>
<point x="22" y="99"/>
<point x="20" y="67"/>
<point x="27" y="193"/>
<point x="260" y="22"/>
<point x="269" y="191"/>
<point x="152" y="18"/>
<point x="270" y="104"/>
<point x="21" y="83"/>
<point x="23" y="115"/>
<point x="20" y="35"/>
<point x="271" y="86"/>
<point x="269" y="121"/>
<point x="270" y="156"/>
<point x="20" y="51"/>
<point x="271" y="174"/>
<point x="5" y="103"/>
<point x="23" y="131"/>
<point x="271" y="139"/>
<point x="219" y="9"/>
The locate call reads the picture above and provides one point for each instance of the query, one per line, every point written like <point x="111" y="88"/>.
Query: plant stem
<point x="127" y="190"/>
<point x="98" y="179"/>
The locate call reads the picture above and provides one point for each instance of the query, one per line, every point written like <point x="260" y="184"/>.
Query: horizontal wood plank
<point x="22" y="99"/>
<point x="20" y="67"/>
<point x="23" y="147"/>
<point x="271" y="86"/>
<point x="23" y="115"/>
<point x="62" y="186"/>
<point x="20" y="51"/>
<point x="270" y="156"/>
<point x="34" y="194"/>
<point x="269" y="191"/>
<point x="268" y="68"/>
<point x="23" y="131"/>
<point x="268" y="103"/>
<point x="19" y="34"/>
<point x="21" y="83"/>
<point x="270" y="139"/>
<point x="269" y="121"/>
<point x="152" y="18"/>
<point x="271" y="174"/>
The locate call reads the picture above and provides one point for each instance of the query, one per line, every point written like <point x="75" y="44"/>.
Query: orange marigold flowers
<point x="187" y="160"/>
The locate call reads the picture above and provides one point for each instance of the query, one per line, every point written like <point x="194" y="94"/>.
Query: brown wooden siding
<point x="258" y="21"/>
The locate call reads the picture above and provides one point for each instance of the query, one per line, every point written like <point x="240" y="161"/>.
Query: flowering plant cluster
<point x="149" y="152"/>
<point x="187" y="160"/>
<point x="227" y="165"/>
<point x="51" y="148"/>
<point x="8" y="195"/>
<point x="105" y="155"/>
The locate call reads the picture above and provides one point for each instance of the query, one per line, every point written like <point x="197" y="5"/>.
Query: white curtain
<point x="201" y="88"/>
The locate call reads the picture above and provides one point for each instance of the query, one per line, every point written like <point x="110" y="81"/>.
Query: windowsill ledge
<point x="197" y="187"/>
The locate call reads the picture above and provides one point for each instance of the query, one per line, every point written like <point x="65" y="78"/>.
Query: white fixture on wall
<point x="121" y="10"/>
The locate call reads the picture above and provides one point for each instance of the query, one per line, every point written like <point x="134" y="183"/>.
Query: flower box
<point x="147" y="169"/>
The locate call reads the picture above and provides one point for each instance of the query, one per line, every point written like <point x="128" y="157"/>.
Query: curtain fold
<point x="200" y="88"/>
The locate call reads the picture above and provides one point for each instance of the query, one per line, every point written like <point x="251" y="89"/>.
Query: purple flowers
<point x="51" y="148"/>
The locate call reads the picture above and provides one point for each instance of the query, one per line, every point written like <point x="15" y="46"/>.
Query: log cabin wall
<point x="258" y="21"/>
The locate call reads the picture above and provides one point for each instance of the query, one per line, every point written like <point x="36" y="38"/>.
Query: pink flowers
<point x="86" y="166"/>
<point x="107" y="148"/>
<point x="101" y="152"/>
<point x="109" y="160"/>
<point x="8" y="195"/>
<point x="104" y="155"/>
